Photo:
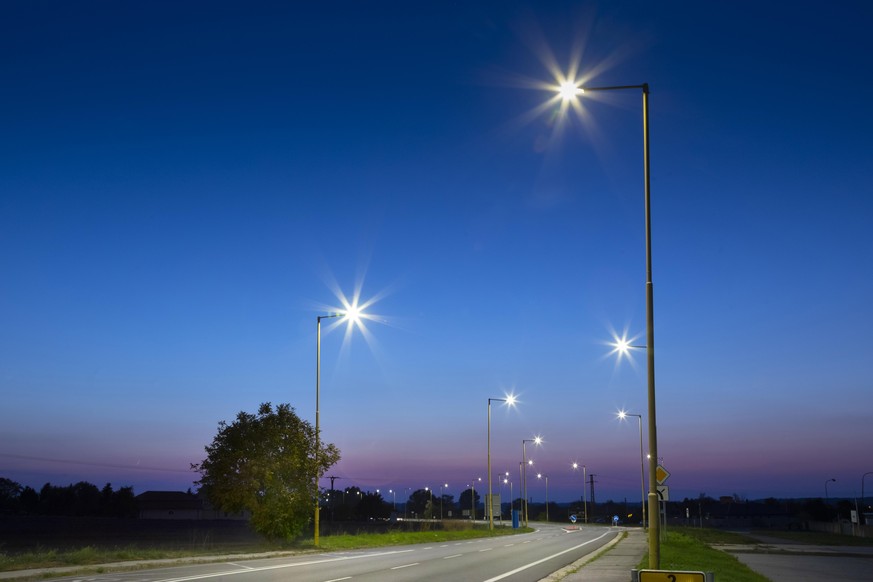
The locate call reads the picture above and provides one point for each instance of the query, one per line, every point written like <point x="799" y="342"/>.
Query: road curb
<point x="572" y="568"/>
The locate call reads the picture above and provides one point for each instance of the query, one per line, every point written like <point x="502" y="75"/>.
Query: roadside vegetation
<point x="94" y="556"/>
<point x="393" y="538"/>
<point x="689" y="549"/>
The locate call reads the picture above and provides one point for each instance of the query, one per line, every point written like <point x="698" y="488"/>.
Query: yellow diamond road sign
<point x="661" y="474"/>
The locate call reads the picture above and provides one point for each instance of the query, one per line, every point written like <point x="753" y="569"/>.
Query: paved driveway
<point x="783" y="561"/>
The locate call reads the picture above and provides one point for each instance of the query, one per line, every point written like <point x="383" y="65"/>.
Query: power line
<point x="93" y="464"/>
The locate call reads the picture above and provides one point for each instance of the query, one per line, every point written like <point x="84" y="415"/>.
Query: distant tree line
<point x="80" y="500"/>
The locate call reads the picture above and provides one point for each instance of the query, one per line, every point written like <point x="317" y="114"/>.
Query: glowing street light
<point x="506" y="480"/>
<point x="621" y="416"/>
<point x="353" y="315"/>
<point x="441" y="499"/>
<point x="570" y="91"/>
<point x="537" y="441"/>
<point x="546" y="477"/>
<point x="510" y="401"/>
<point x="429" y="490"/>
<point x="473" y="498"/>
<point x="584" y="498"/>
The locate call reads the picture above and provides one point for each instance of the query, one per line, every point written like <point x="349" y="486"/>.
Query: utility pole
<point x="591" y="481"/>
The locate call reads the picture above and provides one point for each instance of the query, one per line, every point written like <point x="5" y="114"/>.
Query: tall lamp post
<point x="863" y="506"/>
<point x="510" y="401"/>
<point x="584" y="497"/>
<point x="473" y="497"/>
<point x="441" y="499"/>
<point x="317" y="414"/>
<point x="570" y="90"/>
<point x="536" y="441"/>
<point x="353" y="314"/>
<point x="621" y="416"/>
<point x="546" y="477"/>
<point x="827" y="499"/>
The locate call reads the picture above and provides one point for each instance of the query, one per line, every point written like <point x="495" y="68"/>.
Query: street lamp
<point x="441" y="499"/>
<point x="546" y="477"/>
<point x="584" y="498"/>
<point x="429" y="490"/>
<point x="621" y="416"/>
<point x="353" y="314"/>
<point x="510" y="401"/>
<point x="536" y="440"/>
<point x="508" y="480"/>
<point x="569" y="90"/>
<point x="393" y="498"/>
<point x="864" y="507"/>
<point x="473" y="498"/>
<point x="827" y="499"/>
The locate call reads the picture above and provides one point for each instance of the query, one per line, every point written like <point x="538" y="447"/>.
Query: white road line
<point x="508" y="545"/>
<point x="405" y="566"/>
<point x="486" y="550"/>
<point x="282" y="566"/>
<point x="532" y="564"/>
<point x="453" y="556"/>
<point x="241" y="566"/>
<point x="338" y="579"/>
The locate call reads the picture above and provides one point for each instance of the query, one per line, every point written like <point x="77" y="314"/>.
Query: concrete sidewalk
<point x="611" y="563"/>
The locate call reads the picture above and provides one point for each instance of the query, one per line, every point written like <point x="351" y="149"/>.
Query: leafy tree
<point x="86" y="499"/>
<point x="419" y="503"/>
<point x="10" y="493"/>
<point x="465" y="503"/>
<point x="266" y="463"/>
<point x="124" y="503"/>
<point x="29" y="500"/>
<point x="818" y="510"/>
<point x="372" y="506"/>
<point x="445" y="504"/>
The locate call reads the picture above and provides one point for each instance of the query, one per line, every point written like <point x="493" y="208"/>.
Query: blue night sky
<point x="184" y="187"/>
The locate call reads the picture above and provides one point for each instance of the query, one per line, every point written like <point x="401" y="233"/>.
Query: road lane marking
<point x="338" y="579"/>
<point x="486" y="550"/>
<point x="547" y="558"/>
<point x="453" y="556"/>
<point x="241" y="566"/>
<point x="282" y="566"/>
<point x="405" y="566"/>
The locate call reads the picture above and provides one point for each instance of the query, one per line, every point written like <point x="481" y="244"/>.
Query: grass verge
<point x="95" y="555"/>
<point x="688" y="549"/>
<point x="399" y="538"/>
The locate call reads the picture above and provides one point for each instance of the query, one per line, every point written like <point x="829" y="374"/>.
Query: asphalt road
<point x="524" y="557"/>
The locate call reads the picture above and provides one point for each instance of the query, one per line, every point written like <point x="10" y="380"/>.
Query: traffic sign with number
<point x="671" y="576"/>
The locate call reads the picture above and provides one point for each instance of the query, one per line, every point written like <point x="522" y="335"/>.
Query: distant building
<point x="180" y="505"/>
